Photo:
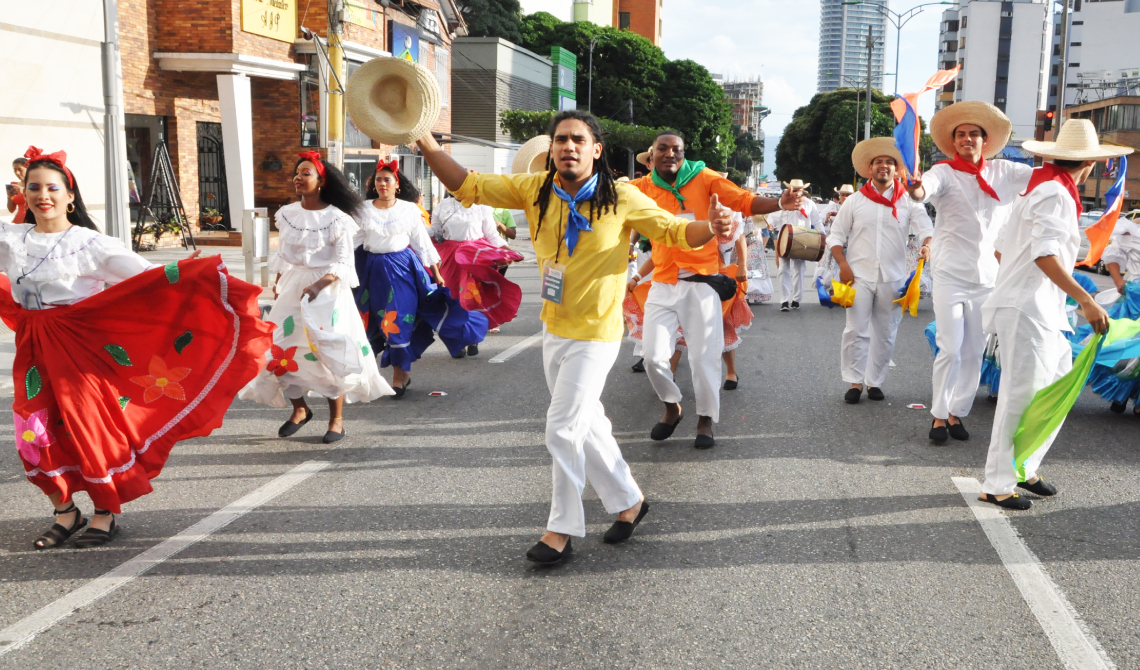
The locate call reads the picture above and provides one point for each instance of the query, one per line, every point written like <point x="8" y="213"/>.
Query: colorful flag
<point x="1100" y="232"/>
<point x="908" y="130"/>
<point x="912" y="291"/>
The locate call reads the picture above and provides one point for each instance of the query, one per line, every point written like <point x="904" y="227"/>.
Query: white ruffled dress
<point x="319" y="348"/>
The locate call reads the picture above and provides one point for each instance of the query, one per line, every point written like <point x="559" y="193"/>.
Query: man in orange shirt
<point x="679" y="297"/>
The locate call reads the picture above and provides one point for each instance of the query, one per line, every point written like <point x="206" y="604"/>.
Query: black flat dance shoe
<point x="875" y="393"/>
<point x="704" y="442"/>
<point x="1014" y="502"/>
<point x="1118" y="407"/>
<point x="57" y="534"/>
<point x="401" y="390"/>
<point x="473" y="350"/>
<point x="662" y="431"/>
<point x="731" y="384"/>
<point x="331" y="436"/>
<point x="288" y="429"/>
<point x="939" y="434"/>
<point x="1040" y="487"/>
<point x="852" y="396"/>
<point x="639" y="366"/>
<point x="795" y="305"/>
<point x="95" y="537"/>
<point x="543" y="554"/>
<point x="623" y="530"/>
<point x="784" y="307"/>
<point x="958" y="431"/>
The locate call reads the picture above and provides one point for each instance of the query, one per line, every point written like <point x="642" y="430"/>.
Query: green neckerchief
<point x="689" y="169"/>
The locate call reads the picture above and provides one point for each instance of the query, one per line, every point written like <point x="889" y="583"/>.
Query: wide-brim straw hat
<point x="1077" y="141"/>
<point x="975" y="112"/>
<point x="643" y="158"/>
<point x="392" y="100"/>
<point x="868" y="150"/>
<point x="847" y="189"/>
<point x="796" y="183"/>
<point x="532" y="156"/>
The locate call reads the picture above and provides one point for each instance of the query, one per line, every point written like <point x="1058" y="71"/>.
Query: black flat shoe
<point x="331" y="436"/>
<point x="795" y="305"/>
<point x="731" y="384"/>
<point x="623" y="530"/>
<point x="639" y="366"/>
<point x="288" y="429"/>
<point x="462" y="353"/>
<point x="939" y="434"/>
<point x="662" y="431"/>
<point x="1014" y="502"/>
<point x="57" y="534"/>
<point x="784" y="307"/>
<point x="1040" y="487"/>
<point x="95" y="537"/>
<point x="401" y="390"/>
<point x="1118" y="407"/>
<point x="473" y="350"/>
<point x="704" y="442"/>
<point x="958" y="431"/>
<point x="875" y="393"/>
<point x="852" y="396"/>
<point x="543" y="554"/>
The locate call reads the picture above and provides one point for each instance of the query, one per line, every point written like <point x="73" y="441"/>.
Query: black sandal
<point x="96" y="537"/>
<point x="57" y="534"/>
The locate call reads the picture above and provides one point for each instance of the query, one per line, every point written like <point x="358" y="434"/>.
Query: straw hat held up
<point x="392" y="100"/>
<point x="974" y="112"/>
<point x="1077" y="141"/>
<point x="532" y="156"/>
<point x="796" y="183"/>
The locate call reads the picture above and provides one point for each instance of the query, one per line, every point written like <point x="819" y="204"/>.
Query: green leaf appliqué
<point x="335" y="316"/>
<point x="33" y="383"/>
<point x="409" y="318"/>
<point x="391" y="295"/>
<point x="182" y="341"/>
<point x="123" y="400"/>
<point x="365" y="350"/>
<point x="311" y="357"/>
<point x="119" y="354"/>
<point x="364" y="297"/>
<point x="287" y="326"/>
<point x="172" y="274"/>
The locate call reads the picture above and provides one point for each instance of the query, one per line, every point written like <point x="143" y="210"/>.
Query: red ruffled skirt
<point x="468" y="270"/>
<point x="105" y="387"/>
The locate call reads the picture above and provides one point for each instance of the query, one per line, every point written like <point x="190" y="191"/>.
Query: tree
<point x="696" y="106"/>
<point x="749" y="150"/>
<point x="493" y="18"/>
<point x="620" y="138"/>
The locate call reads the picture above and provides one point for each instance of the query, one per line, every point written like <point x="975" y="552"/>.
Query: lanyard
<point x="46" y="256"/>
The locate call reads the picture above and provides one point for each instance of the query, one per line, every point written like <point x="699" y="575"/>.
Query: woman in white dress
<point x="320" y="347"/>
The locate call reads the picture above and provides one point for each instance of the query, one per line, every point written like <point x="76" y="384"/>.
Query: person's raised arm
<point x="449" y="172"/>
<point x="787" y="200"/>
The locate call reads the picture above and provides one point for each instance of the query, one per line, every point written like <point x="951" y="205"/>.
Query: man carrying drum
<point x="873" y="224"/>
<point x="679" y="298"/>
<point x="792" y="269"/>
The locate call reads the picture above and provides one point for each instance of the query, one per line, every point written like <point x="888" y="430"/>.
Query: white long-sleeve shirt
<point x="1125" y="252"/>
<point x="969" y="220"/>
<point x="784" y="217"/>
<point x="55" y="269"/>
<point x="875" y="241"/>
<point x="394" y="229"/>
<point x="1042" y="223"/>
<point x="452" y="221"/>
<point x="315" y="239"/>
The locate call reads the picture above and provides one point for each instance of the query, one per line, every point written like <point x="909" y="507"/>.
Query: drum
<point x="801" y="243"/>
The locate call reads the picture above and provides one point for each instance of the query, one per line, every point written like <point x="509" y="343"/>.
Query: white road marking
<point x="1072" y="641"/>
<point x="517" y="349"/>
<point x="23" y="631"/>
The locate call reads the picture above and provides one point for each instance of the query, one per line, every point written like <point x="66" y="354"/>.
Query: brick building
<point x="1117" y="121"/>
<point x="236" y="92"/>
<point x="641" y="16"/>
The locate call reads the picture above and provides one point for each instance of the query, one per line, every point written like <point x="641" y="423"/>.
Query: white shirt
<point x="315" y="240"/>
<point x="387" y="231"/>
<point x="1125" y="252"/>
<point x="875" y="241"/>
<point x="452" y="221"/>
<point x="1042" y="223"/>
<point x="969" y="219"/>
<point x="784" y="217"/>
<point x="56" y="269"/>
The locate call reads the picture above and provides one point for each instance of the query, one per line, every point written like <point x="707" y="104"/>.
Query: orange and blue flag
<point x="1100" y="233"/>
<point x="908" y="130"/>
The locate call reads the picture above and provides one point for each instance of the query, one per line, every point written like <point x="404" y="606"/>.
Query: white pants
<point x="961" y="345"/>
<point x="872" y="324"/>
<point x="1032" y="357"/>
<point x="791" y="279"/>
<point x="695" y="308"/>
<point x="578" y="434"/>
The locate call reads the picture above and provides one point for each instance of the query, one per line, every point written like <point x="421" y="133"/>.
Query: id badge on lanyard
<point x="29" y="296"/>
<point x="552" y="277"/>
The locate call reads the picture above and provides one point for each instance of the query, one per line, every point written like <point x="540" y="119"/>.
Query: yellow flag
<point x="909" y="301"/>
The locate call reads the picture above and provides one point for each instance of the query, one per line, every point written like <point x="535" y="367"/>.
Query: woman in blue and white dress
<point x="1121" y="258"/>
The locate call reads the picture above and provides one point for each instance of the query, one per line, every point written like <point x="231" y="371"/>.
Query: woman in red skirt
<point x="108" y="380"/>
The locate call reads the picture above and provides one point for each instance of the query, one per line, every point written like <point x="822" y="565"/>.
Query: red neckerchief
<point x="1050" y="172"/>
<point x="874" y="196"/>
<point x="802" y="211"/>
<point x="962" y="165"/>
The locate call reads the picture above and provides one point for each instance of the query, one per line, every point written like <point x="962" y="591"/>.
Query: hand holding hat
<point x="393" y="101"/>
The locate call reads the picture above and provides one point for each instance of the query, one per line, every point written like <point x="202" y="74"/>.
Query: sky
<point x="778" y="40"/>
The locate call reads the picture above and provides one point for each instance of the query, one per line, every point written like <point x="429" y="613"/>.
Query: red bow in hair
<point x="392" y="165"/>
<point x="314" y="158"/>
<point x="59" y="158"/>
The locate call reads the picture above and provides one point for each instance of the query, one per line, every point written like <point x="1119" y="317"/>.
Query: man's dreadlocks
<point x="605" y="195"/>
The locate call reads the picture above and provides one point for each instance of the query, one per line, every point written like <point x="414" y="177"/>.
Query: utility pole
<point x="118" y="214"/>
<point x="870" y="49"/>
<point x="336" y="97"/>
<point x="1063" y="70"/>
<point x="631" y="165"/>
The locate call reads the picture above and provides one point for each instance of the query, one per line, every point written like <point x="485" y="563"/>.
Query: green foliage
<point x="620" y="138"/>
<point x="737" y="177"/>
<point x="493" y="18"/>
<point x="536" y="30"/>
<point x="748" y="150"/>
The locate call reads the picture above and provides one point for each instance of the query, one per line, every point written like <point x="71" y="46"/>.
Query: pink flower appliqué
<point x="32" y="435"/>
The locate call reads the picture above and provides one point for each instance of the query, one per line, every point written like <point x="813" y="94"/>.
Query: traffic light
<point x="1049" y="120"/>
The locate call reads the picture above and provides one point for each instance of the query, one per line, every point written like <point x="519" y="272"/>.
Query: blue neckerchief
<point x="575" y="221"/>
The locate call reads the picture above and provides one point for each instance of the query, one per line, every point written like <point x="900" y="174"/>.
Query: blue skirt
<point x="405" y="309"/>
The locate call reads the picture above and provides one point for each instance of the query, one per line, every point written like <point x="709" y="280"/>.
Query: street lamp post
<point x="898" y="20"/>
<point x="590" y="86"/>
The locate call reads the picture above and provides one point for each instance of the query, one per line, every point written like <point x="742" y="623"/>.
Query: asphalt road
<point x="815" y="534"/>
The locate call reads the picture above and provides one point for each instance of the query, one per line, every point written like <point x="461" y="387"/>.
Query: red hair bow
<point x="59" y="158"/>
<point x="314" y="158"/>
<point x="393" y="166"/>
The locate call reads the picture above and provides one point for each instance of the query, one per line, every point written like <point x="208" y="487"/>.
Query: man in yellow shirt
<point x="580" y="220"/>
<point x="679" y="298"/>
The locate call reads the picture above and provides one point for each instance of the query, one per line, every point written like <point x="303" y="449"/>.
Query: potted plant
<point x="210" y="215"/>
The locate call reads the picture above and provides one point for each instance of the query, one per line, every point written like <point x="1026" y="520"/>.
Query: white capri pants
<point x="695" y="308"/>
<point x="869" y="339"/>
<point x="1032" y="357"/>
<point x="961" y="345"/>
<point x="578" y="434"/>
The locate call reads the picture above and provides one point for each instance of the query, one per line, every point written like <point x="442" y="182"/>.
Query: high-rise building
<point x="640" y="16"/>
<point x="746" y="98"/>
<point x="843" y="44"/>
<point x="1104" y="56"/>
<point x="1002" y="47"/>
